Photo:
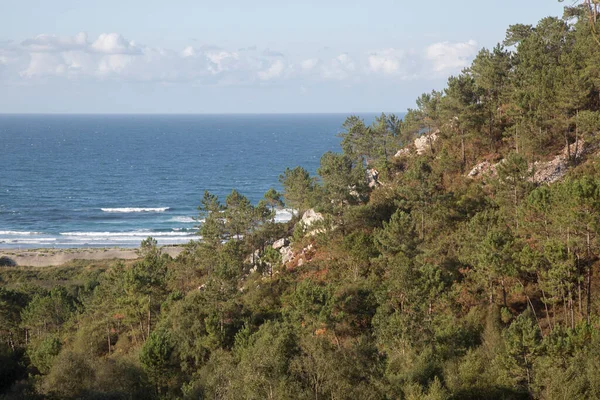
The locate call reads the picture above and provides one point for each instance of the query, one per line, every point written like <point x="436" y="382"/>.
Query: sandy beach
<point x="54" y="257"/>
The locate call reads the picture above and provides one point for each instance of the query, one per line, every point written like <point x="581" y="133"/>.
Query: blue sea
<point x="113" y="180"/>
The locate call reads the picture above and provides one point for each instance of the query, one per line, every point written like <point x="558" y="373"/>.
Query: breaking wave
<point x="135" y="209"/>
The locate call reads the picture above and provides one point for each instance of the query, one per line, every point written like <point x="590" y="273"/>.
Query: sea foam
<point x="284" y="215"/>
<point x="135" y="209"/>
<point x="123" y="234"/>
<point x="19" y="233"/>
<point x="183" y="220"/>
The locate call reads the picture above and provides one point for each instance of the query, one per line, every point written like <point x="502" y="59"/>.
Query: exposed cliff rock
<point x="553" y="170"/>
<point x="281" y="243"/>
<point x="287" y="254"/>
<point x="543" y="171"/>
<point x="425" y="142"/>
<point x="402" y="152"/>
<point x="310" y="218"/>
<point x="482" y="169"/>
<point x="421" y="145"/>
<point x="373" y="178"/>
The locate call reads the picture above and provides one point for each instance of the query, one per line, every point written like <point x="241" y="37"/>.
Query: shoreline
<point x="51" y="257"/>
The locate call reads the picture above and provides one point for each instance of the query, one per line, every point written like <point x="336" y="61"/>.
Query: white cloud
<point x="341" y="67"/>
<point x="45" y="64"/>
<point x="386" y="61"/>
<point x="114" y="63"/>
<point x="46" y="43"/>
<point x="274" y="71"/>
<point x="113" y="43"/>
<point x="222" y="60"/>
<point x="309" y="64"/>
<point x="110" y="56"/>
<point x="447" y="57"/>
<point x="188" y="52"/>
<point x="345" y="61"/>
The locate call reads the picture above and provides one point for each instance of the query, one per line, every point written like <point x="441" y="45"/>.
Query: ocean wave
<point x="284" y="215"/>
<point x="183" y="220"/>
<point x="136" y="234"/>
<point x="19" y="233"/>
<point x="135" y="209"/>
<point x="28" y="241"/>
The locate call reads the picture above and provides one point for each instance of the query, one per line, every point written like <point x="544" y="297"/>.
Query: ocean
<point x="112" y="180"/>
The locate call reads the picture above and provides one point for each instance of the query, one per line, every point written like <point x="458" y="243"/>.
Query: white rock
<point x="310" y="217"/>
<point x="481" y="169"/>
<point x="402" y="152"/>
<point x="372" y="178"/>
<point x="287" y="254"/>
<point x="280" y="243"/>
<point x="422" y="144"/>
<point x="425" y="142"/>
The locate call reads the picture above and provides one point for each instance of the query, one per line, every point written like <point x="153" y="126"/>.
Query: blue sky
<point x="240" y="56"/>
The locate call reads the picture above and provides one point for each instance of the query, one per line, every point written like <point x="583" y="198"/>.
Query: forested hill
<point x="455" y="271"/>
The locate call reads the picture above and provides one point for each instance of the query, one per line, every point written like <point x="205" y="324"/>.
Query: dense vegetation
<point x="428" y="285"/>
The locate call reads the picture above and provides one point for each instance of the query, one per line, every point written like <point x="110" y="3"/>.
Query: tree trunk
<point x="517" y="139"/>
<point x="149" y="314"/>
<point x="108" y="337"/>
<point x="567" y="145"/>
<point x="589" y="280"/>
<point x="462" y="150"/>
<point x="565" y="309"/>
<point x="516" y="208"/>
<point x="579" y="302"/>
<point x="503" y="292"/>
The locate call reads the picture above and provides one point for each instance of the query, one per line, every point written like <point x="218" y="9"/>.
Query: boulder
<point x="482" y="169"/>
<point x="372" y="178"/>
<point x="281" y="243"/>
<point x="402" y="152"/>
<point x="424" y="142"/>
<point x="287" y="254"/>
<point x="311" y="217"/>
<point x="543" y="171"/>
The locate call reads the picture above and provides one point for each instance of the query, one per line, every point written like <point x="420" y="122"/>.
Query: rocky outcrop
<point x="402" y="152"/>
<point x="553" y="170"/>
<point x="422" y="144"/>
<point x="372" y="178"/>
<point x="291" y="258"/>
<point x="483" y="169"/>
<point x="281" y="243"/>
<point x="543" y="171"/>
<point x="311" y="217"/>
<point x="287" y="254"/>
<point x="425" y="142"/>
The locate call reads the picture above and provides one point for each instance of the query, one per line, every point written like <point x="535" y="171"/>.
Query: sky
<point x="241" y="56"/>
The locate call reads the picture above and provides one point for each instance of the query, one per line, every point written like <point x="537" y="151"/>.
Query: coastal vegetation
<point x="464" y="266"/>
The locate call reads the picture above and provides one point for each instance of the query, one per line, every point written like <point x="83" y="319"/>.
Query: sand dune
<point x="54" y="257"/>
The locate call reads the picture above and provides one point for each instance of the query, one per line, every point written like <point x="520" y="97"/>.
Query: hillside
<point x="430" y="259"/>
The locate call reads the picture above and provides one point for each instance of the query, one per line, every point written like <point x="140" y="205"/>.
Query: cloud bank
<point x="110" y="56"/>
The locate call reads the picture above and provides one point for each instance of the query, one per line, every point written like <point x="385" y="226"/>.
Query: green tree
<point x="523" y="346"/>
<point x="158" y="359"/>
<point x="212" y="223"/>
<point x="299" y="188"/>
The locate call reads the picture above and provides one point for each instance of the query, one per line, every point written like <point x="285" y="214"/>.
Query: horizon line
<point x="200" y="113"/>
